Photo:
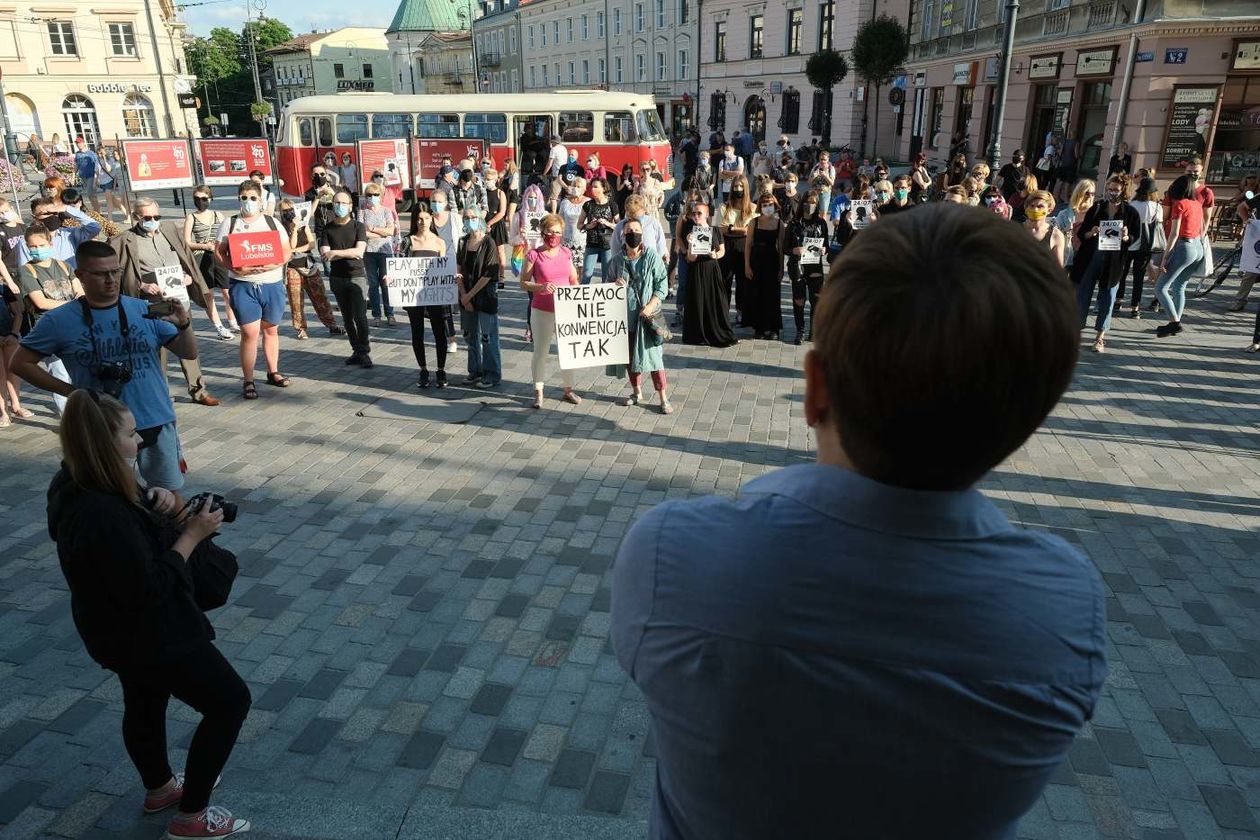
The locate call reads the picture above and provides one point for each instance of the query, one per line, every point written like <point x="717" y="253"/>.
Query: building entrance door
<point x="755" y="117"/>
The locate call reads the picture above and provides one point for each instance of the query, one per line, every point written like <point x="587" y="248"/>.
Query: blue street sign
<point x="1144" y="56"/>
<point x="1176" y="55"/>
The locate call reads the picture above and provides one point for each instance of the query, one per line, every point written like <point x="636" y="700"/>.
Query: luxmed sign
<point x="255" y="248"/>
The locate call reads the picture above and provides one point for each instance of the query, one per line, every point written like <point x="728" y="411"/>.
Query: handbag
<point x="213" y="569"/>
<point x="657" y="325"/>
<point x="1209" y="265"/>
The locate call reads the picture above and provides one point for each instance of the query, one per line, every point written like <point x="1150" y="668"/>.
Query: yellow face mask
<point x="1035" y="214"/>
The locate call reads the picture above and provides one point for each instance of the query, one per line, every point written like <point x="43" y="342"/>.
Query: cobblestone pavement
<point x="423" y="607"/>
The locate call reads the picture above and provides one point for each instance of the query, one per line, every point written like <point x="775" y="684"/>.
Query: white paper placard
<point x="812" y="250"/>
<point x="422" y="281"/>
<point x="1249" y="261"/>
<point x="170" y="278"/>
<point x="862" y="208"/>
<point x="533" y="225"/>
<point x="1109" y="233"/>
<point x="302" y="212"/>
<point x="591" y="325"/>
<point x="701" y="240"/>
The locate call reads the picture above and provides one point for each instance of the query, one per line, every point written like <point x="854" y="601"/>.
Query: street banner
<point x="225" y="163"/>
<point x="1249" y="260"/>
<point x="591" y="325"/>
<point x="422" y="281"/>
<point x="862" y="208"/>
<point x="701" y="240"/>
<point x="254" y="248"/>
<point x="170" y="278"/>
<point x="389" y="157"/>
<point x="429" y="152"/>
<point x="1109" y="233"/>
<point x="812" y="250"/>
<point x="159" y="164"/>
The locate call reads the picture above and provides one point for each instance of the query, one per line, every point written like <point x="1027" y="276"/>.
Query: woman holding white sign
<point x="547" y="266"/>
<point x="643" y="274"/>
<point x="424" y="241"/>
<point x="1105" y="233"/>
<point x="807" y="247"/>
<point x="705" y="307"/>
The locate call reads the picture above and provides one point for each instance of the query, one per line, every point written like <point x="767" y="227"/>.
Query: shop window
<point x="138" y="116"/>
<point x="80" y="118"/>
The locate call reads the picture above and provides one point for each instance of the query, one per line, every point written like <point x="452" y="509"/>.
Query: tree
<point x="260" y="110"/>
<point x="879" y="48"/>
<point x="223" y="61"/>
<point x="825" y="69"/>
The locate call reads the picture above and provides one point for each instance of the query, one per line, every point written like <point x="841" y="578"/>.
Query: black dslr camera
<point x="217" y="502"/>
<point x="113" y="376"/>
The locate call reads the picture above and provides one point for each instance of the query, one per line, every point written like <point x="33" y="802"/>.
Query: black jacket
<point x="1113" y="261"/>
<point x="131" y="596"/>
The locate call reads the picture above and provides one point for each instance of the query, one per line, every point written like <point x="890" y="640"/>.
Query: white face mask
<point x="768" y="211"/>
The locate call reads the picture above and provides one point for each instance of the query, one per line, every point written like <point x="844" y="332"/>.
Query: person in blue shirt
<point x="89" y="168"/>
<point x="866" y="647"/>
<point x="51" y="213"/>
<point x="108" y="342"/>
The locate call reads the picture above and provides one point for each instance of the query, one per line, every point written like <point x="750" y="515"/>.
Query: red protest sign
<point x="247" y="250"/>
<point x="389" y="157"/>
<point x="226" y="163"/>
<point x="158" y="164"/>
<point x="429" y="154"/>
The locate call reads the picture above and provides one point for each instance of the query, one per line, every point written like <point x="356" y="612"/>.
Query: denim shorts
<point x="253" y="302"/>
<point x="162" y="463"/>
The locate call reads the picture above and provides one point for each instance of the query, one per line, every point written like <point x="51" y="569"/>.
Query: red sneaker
<point x="154" y="802"/>
<point x="215" y="821"/>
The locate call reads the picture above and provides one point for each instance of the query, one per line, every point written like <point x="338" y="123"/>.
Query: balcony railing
<point x="1102" y="13"/>
<point x="490" y="59"/>
<point x="1055" y="23"/>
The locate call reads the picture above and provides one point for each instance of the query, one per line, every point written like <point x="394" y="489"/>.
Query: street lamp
<point x="472" y="41"/>
<point x="1004" y="78"/>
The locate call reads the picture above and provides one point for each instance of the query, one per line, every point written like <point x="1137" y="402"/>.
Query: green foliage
<point x="826" y="69"/>
<point x="879" y="48"/>
<point x="260" y="110"/>
<point x="215" y="58"/>
<point x="210" y="120"/>
<point x="224" y="71"/>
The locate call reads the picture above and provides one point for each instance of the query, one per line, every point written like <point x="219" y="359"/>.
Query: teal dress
<point x="645" y="277"/>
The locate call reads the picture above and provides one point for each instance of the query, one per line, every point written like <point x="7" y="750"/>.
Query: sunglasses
<point x="149" y="218"/>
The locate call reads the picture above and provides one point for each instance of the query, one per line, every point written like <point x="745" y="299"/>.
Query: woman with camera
<point x="134" y="594"/>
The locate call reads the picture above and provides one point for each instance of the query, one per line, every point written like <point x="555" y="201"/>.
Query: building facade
<point x="423" y="62"/>
<point x="353" y="58"/>
<point x="752" y="72"/>
<point x="95" y="70"/>
<point x="638" y="46"/>
<point x="1195" y="81"/>
<point x="497" y="35"/>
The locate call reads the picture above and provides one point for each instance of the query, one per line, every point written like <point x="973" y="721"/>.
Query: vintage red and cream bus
<point x="622" y="127"/>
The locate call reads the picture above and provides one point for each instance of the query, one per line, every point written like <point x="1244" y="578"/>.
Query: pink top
<point x="555" y="270"/>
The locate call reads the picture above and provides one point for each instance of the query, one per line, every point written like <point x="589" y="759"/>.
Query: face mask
<point x="9" y="216"/>
<point x="52" y="222"/>
<point x="1035" y="215"/>
<point x="992" y="201"/>
<point x="811" y="209"/>
<point x="1113" y="195"/>
<point x="330" y="161"/>
<point x="249" y="206"/>
<point x="552" y="240"/>
<point x="572" y="158"/>
<point x="374" y="200"/>
<point x="148" y="226"/>
<point x="345" y="161"/>
<point x="288" y="216"/>
<point x="201" y="203"/>
<point x="730" y="156"/>
<point x="902" y="195"/>
<point x="39" y="254"/>
<point x="492" y="182"/>
<point x="882" y="196"/>
<point x="439" y="206"/>
<point x="633" y="239"/>
<point x="768" y="210"/>
<point x="762" y="149"/>
<point x="341" y="211"/>
<point x="472" y="225"/>
<point x="318" y="180"/>
<point x="1018" y="161"/>
<point x="737" y="193"/>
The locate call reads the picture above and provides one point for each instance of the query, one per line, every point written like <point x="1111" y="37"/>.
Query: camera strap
<point x="123" y="326"/>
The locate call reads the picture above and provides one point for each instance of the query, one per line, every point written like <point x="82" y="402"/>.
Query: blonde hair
<point x="983" y="168"/>
<point x="1040" y="195"/>
<point x="635" y="205"/>
<point x="883" y="186"/>
<point x="90" y="426"/>
<point x="551" y="219"/>
<point x="1077" y="199"/>
<point x="1030" y="185"/>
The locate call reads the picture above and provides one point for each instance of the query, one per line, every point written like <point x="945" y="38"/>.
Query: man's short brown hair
<point x="946" y="336"/>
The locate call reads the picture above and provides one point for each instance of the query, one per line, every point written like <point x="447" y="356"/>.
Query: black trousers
<point x="205" y="681"/>
<point x="352" y="298"/>
<point x="805" y="289"/>
<point x="1136" y="262"/>
<point x="438" y="317"/>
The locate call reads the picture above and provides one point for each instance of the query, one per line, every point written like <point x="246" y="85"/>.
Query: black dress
<point x="762" y="311"/>
<point x="704" y="311"/>
<point x="498" y="231"/>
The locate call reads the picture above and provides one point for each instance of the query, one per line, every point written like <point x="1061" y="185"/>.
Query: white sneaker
<point x="224" y="332"/>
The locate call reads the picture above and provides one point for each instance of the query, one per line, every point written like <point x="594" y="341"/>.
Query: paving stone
<point x="573" y="769"/>
<point x="17" y="797"/>
<point x="607" y="792"/>
<point x="1229" y="808"/>
<point x="490" y="699"/>
<point x="505" y="744"/>
<point x="421" y="750"/>
<point x="315" y="736"/>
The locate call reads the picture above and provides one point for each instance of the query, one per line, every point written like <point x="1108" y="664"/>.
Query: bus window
<point x="577" y="126"/>
<point x="391" y="126"/>
<point x="438" y="125"/>
<point x="493" y="127"/>
<point x="306" y="137"/>
<point x="619" y="127"/>
<point x="351" y="127"/>
<point x="325" y="137"/>
<point x="650" y="126"/>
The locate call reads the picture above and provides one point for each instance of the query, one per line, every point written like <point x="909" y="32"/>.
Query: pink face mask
<point x="552" y="240"/>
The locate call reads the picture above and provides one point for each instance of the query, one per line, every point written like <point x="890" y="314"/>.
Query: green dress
<point x="645" y="277"/>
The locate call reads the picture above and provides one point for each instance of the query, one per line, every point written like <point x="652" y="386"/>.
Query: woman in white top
<point x="349" y="174"/>
<point x="570" y="209"/>
<point x="449" y="227"/>
<point x="1138" y="258"/>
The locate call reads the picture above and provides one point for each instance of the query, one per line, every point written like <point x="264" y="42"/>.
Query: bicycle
<point x="1223" y="269"/>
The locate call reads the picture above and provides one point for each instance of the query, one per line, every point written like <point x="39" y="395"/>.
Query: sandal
<point x="248" y="391"/>
<point x="666" y="408"/>
<point x="633" y="399"/>
<point x="571" y="398"/>
<point x="301" y="334"/>
<point x="1251" y="348"/>
<point x="1099" y="345"/>
<point x="278" y="379"/>
<point x="23" y="413"/>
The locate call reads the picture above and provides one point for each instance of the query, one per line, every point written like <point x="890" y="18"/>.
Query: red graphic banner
<point x="429" y="153"/>
<point x="389" y="157"/>
<point x="225" y="163"/>
<point x="257" y="248"/>
<point x="158" y="164"/>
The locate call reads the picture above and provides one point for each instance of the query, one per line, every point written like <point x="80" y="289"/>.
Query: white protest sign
<point x="1249" y="261"/>
<point x="701" y="240"/>
<point x="811" y="250"/>
<point x="302" y="212"/>
<point x="170" y="278"/>
<point x="862" y="208"/>
<point x="1109" y="233"/>
<point x="533" y="225"/>
<point x="591" y="325"/>
<point x="422" y="281"/>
